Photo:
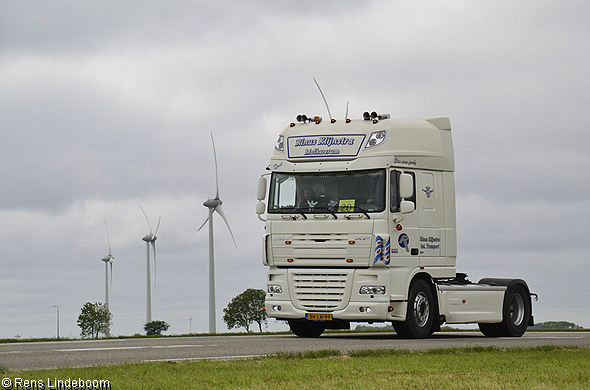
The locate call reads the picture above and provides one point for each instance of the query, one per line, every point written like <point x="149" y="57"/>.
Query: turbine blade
<point x="108" y="238"/>
<point x="220" y="212"/>
<point x="199" y="229"/>
<point x="216" y="175"/>
<point x="157" y="227"/>
<point x="155" y="264"/>
<point x="146" y="218"/>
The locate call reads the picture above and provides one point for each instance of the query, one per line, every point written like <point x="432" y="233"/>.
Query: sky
<point x="108" y="106"/>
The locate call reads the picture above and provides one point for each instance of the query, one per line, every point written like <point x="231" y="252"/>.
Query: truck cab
<point x="361" y="227"/>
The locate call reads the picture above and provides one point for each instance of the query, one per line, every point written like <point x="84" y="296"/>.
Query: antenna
<point x="346" y="116"/>
<point x="323" y="97"/>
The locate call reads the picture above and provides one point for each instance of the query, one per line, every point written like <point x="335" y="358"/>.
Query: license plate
<point x="318" y="317"/>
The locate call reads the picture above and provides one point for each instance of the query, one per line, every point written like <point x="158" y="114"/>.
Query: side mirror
<point x="260" y="208"/>
<point x="261" y="189"/>
<point x="261" y="195"/>
<point x="406" y="207"/>
<point x="406" y="186"/>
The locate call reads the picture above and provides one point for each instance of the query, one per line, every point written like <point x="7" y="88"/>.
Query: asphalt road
<point x="81" y="353"/>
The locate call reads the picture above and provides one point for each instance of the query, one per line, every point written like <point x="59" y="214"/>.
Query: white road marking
<point x="127" y="348"/>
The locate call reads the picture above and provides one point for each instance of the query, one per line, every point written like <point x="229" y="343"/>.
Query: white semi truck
<point x="361" y="227"/>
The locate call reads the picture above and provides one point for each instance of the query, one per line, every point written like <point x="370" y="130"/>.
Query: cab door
<point x="431" y="219"/>
<point x="404" y="229"/>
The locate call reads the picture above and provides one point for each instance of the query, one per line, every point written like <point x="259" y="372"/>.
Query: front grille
<point x="319" y="290"/>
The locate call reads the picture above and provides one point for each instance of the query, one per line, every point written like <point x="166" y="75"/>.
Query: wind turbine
<point x="214" y="205"/>
<point x="150" y="238"/>
<point x="108" y="259"/>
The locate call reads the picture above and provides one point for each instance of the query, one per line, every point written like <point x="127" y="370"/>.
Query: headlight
<point x="274" y="289"/>
<point x="373" y="290"/>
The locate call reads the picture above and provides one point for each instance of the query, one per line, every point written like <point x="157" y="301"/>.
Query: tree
<point x="557" y="325"/>
<point x="155" y="328"/>
<point x="95" y="319"/>
<point x="245" y="309"/>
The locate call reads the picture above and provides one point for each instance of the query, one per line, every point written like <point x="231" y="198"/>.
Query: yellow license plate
<point x="318" y="317"/>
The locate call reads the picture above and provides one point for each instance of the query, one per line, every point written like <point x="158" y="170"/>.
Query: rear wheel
<point x="420" y="314"/>
<point x="306" y="328"/>
<point x="516" y="312"/>
<point x="489" y="330"/>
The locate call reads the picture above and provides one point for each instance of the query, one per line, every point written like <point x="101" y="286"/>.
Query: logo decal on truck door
<point x="404" y="241"/>
<point x="428" y="191"/>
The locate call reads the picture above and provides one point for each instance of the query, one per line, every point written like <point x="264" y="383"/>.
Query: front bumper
<point x="294" y="292"/>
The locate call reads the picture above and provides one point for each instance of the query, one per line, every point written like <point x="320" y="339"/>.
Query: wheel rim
<point x="421" y="309"/>
<point x="517" y="309"/>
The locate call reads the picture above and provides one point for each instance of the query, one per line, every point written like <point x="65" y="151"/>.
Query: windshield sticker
<point x="324" y="145"/>
<point x="332" y="205"/>
<point x="346" y="206"/>
<point x="404" y="241"/>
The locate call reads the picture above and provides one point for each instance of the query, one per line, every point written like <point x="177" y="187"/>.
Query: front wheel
<point x="306" y="328"/>
<point x="421" y="312"/>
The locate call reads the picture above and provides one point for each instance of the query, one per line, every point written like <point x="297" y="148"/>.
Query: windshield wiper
<point x="327" y="210"/>
<point x="296" y="209"/>
<point x="362" y="211"/>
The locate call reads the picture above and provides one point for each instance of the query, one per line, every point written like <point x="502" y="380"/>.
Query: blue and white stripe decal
<point x="382" y="250"/>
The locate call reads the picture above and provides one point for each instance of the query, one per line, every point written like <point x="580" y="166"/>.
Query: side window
<point x="395" y="200"/>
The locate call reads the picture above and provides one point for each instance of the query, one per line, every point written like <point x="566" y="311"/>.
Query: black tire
<point x="516" y="312"/>
<point x="421" y="312"/>
<point x="489" y="330"/>
<point x="307" y="328"/>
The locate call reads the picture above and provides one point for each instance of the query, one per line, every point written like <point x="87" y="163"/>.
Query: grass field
<point x="470" y="368"/>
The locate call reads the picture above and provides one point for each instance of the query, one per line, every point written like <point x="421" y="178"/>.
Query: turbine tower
<point x="150" y="238"/>
<point x="108" y="259"/>
<point x="214" y="205"/>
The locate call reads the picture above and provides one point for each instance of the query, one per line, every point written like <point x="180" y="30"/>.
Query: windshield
<point x="327" y="192"/>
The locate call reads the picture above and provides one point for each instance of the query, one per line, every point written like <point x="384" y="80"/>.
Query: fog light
<point x="373" y="290"/>
<point x="277" y="308"/>
<point x="274" y="289"/>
